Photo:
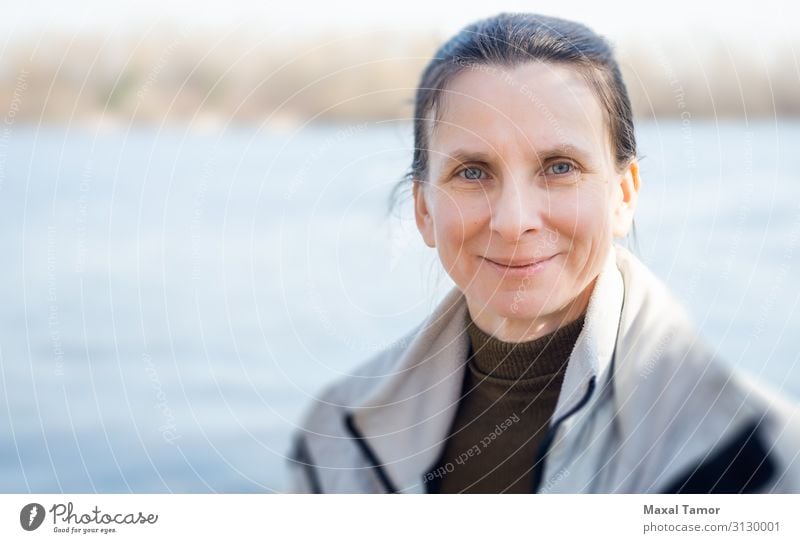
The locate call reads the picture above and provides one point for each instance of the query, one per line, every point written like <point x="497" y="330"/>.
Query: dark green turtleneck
<point x="508" y="396"/>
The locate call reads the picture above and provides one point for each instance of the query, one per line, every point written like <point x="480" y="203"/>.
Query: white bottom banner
<point x="247" y="517"/>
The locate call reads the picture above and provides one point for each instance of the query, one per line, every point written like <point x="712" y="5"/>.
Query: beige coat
<point x="645" y="406"/>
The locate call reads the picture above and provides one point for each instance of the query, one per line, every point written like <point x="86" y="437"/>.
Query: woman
<point x="558" y="363"/>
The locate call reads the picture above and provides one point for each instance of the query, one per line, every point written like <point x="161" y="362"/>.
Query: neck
<point x="514" y="330"/>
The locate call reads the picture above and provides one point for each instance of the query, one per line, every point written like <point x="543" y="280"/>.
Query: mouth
<point x="519" y="267"/>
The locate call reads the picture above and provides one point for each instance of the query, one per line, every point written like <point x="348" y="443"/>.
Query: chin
<point x="515" y="304"/>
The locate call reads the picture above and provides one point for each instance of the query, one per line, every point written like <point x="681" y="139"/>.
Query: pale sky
<point x="764" y="20"/>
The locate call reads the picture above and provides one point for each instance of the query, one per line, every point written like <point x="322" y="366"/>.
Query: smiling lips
<point x="519" y="267"/>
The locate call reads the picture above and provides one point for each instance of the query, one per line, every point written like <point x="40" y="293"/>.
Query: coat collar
<point x="406" y="418"/>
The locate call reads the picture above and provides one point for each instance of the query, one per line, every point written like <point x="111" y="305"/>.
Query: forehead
<point x="534" y="106"/>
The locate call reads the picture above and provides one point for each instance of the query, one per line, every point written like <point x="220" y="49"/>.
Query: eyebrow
<point x="467" y="155"/>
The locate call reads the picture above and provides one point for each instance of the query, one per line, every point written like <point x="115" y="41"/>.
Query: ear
<point x="625" y="199"/>
<point x="422" y="214"/>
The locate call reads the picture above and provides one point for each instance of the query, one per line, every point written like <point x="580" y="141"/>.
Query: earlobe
<point x="422" y="215"/>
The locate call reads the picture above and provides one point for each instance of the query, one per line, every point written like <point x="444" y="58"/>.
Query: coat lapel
<point x="405" y="420"/>
<point x="595" y="345"/>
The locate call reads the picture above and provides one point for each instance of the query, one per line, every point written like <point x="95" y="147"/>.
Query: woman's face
<point x="523" y="199"/>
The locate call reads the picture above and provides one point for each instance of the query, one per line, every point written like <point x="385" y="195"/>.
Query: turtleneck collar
<point x="539" y="357"/>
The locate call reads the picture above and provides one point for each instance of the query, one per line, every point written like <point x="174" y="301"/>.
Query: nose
<point x="518" y="208"/>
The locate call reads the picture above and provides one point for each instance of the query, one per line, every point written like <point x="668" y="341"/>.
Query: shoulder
<point x="660" y="349"/>
<point x="645" y="293"/>
<point x="655" y="332"/>
<point x="675" y="390"/>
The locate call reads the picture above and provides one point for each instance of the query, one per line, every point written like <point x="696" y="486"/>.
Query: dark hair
<point x="509" y="40"/>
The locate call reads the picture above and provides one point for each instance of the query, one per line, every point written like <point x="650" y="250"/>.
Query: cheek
<point x="587" y="223"/>
<point x="458" y="220"/>
<point x="584" y="216"/>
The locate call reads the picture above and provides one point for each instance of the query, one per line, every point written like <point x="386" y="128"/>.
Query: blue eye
<point x="471" y="173"/>
<point x="561" y="168"/>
